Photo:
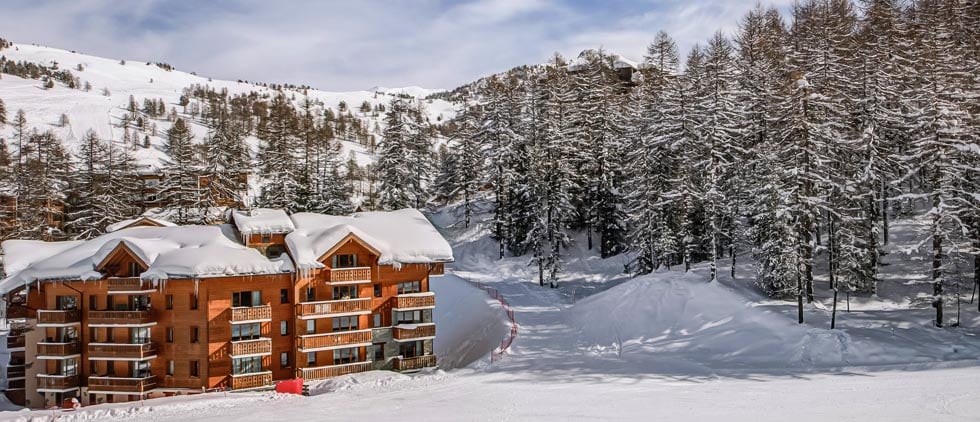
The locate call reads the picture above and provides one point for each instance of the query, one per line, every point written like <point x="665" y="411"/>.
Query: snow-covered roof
<point x="170" y="252"/>
<point x="263" y="221"/>
<point x="138" y="221"/>
<point x="620" y="62"/>
<point x="402" y="237"/>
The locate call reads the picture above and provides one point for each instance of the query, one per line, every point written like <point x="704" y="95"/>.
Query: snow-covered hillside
<point x="143" y="80"/>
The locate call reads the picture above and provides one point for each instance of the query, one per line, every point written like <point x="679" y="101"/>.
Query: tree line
<point x="790" y="139"/>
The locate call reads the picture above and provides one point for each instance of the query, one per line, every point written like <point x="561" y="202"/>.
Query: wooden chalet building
<point x="149" y="311"/>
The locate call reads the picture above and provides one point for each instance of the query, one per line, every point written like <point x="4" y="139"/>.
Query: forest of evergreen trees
<point x="793" y="138"/>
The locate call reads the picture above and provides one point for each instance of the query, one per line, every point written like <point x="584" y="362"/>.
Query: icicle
<point x="195" y="286"/>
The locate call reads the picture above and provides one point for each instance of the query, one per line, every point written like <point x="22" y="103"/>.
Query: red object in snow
<point x="294" y="386"/>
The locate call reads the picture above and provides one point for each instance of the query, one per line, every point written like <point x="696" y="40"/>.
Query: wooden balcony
<point x="16" y="311"/>
<point x="55" y="318"/>
<point x="260" y="379"/>
<point x="257" y="347"/>
<point x="415" y="301"/>
<point x="416" y="331"/>
<point x="58" y="350"/>
<point x="121" y="351"/>
<point x="56" y="383"/>
<point x="129" y="285"/>
<point x="15" y="341"/>
<point x="324" y="372"/>
<point x="121" y="318"/>
<point x="16" y="371"/>
<point x="315" y="342"/>
<point x="246" y="314"/>
<point x="356" y="275"/>
<point x="329" y="308"/>
<point x="122" y="385"/>
<point x="418" y="362"/>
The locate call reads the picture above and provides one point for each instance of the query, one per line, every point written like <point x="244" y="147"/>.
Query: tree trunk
<point x="937" y="281"/>
<point x="799" y="296"/>
<point x="884" y="214"/>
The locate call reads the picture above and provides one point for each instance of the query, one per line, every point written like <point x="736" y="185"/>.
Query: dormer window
<point x="344" y="261"/>
<point x="134" y="269"/>
<point x="266" y="239"/>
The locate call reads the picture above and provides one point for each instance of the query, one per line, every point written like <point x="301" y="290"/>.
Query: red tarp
<point x="294" y="386"/>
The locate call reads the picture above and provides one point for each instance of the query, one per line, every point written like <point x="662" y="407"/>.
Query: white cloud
<point x="355" y="45"/>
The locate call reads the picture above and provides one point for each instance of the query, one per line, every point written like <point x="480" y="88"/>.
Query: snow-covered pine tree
<point x="278" y="160"/>
<point x="394" y="167"/>
<point x="42" y="186"/>
<point x="103" y="188"/>
<point x="470" y="164"/>
<point x="180" y="188"/>
<point x="225" y="163"/>
<point x="651" y="168"/>
<point x="3" y="113"/>
<point x="498" y="134"/>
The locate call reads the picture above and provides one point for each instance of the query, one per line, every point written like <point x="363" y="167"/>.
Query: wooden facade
<point x="122" y="338"/>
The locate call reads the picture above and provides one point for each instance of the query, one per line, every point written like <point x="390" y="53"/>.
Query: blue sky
<point x="357" y="44"/>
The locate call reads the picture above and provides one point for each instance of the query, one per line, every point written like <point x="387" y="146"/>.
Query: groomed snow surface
<point x="666" y="346"/>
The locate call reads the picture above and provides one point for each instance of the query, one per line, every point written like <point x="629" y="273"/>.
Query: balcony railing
<point x="59" y="317"/>
<point x="415" y="300"/>
<point x="260" y="346"/>
<point x="256" y="380"/>
<point x="314" y="342"/>
<point x="129" y="285"/>
<point x="16" y="341"/>
<point x="121" y="317"/>
<point x="122" y="385"/>
<point x="251" y="314"/>
<point x="121" y="350"/>
<point x="58" y="349"/>
<point x="16" y="372"/>
<point x="350" y="275"/>
<point x="324" y="372"/>
<point x="308" y="310"/>
<point x="56" y="382"/>
<point x="418" y="362"/>
<point x="414" y="331"/>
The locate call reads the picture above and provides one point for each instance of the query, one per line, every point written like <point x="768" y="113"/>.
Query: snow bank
<point x="469" y="324"/>
<point x="184" y="251"/>
<point x="402" y="237"/>
<point x="263" y="221"/>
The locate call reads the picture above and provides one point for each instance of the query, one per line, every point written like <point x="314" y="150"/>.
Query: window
<point x="310" y="326"/>
<point x="93" y="335"/>
<point x="247" y="298"/>
<point x="110" y="336"/>
<point x="311" y="359"/>
<point x="284" y="296"/>
<point x="134" y="269"/>
<point x="170" y="367"/>
<point x="170" y="301"/>
<point x="342" y="356"/>
<point x="379" y="352"/>
<point x="246" y="331"/>
<point x="310" y="294"/>
<point x="139" y="335"/>
<point x="170" y="334"/>
<point x="266" y="239"/>
<point x="195" y="368"/>
<point x="284" y="360"/>
<point x="64" y="303"/>
<point x="283" y="328"/>
<point x="93" y="368"/>
<point x="93" y="303"/>
<point x="194" y="334"/>
<point x="193" y="301"/>
<point x="110" y="367"/>
<point x="377" y="320"/>
<point x="410" y="349"/>
<point x="377" y="290"/>
<point x="409" y="287"/>
<point x="344" y="261"/>
<point x="109" y="303"/>
<point x="408" y="317"/>
<point x="345" y="323"/>
<point x="140" y="369"/>
<point x="344" y="292"/>
<point x="249" y="365"/>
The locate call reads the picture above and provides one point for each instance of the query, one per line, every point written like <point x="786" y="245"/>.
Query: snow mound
<point x="469" y="323"/>
<point x="138" y="220"/>
<point x="684" y="320"/>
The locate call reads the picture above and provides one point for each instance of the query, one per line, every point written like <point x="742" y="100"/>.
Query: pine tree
<point x="180" y="189"/>
<point x="103" y="189"/>
<point x="3" y="113"/>
<point x="278" y="157"/>
<point x="42" y="183"/>
<point x="394" y="166"/>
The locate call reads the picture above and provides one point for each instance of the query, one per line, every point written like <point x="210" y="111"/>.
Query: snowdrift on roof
<point x="183" y="251"/>
<point x="263" y="221"/>
<point x="126" y="223"/>
<point x="402" y="237"/>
